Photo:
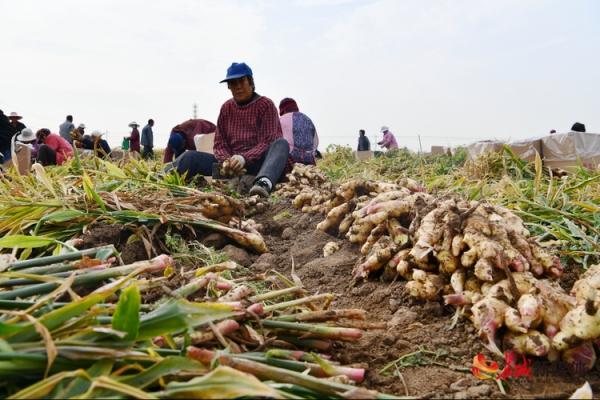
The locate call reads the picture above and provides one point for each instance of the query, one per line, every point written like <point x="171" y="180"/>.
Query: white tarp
<point x="484" y="146"/>
<point x="566" y="146"/>
<point x="525" y="149"/>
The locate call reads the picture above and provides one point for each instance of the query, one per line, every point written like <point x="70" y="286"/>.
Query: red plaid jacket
<point x="248" y="131"/>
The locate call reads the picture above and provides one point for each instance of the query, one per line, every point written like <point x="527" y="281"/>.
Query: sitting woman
<point x="248" y="133"/>
<point x="54" y="149"/>
<point x="300" y="132"/>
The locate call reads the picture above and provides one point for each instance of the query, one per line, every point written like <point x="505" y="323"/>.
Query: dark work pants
<point x="147" y="153"/>
<point x="270" y="166"/>
<point x="46" y="155"/>
<point x="5" y="155"/>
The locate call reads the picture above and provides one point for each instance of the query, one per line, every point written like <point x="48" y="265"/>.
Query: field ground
<point x="412" y="327"/>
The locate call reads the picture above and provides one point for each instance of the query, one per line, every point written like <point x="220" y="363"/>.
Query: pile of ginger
<point x="476" y="256"/>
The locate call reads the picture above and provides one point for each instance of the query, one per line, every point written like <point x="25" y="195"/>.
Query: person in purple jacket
<point x="134" y="139"/>
<point x="389" y="141"/>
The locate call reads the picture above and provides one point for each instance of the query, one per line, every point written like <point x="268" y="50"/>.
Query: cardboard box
<point x="438" y="150"/>
<point x="484" y="146"/>
<point x="561" y="150"/>
<point x="117" y="154"/>
<point x="205" y="142"/>
<point x="23" y="160"/>
<point x="85" y="153"/>
<point x="364" y="154"/>
<point x="526" y="149"/>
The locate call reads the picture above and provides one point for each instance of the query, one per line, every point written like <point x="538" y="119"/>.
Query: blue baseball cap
<point x="237" y="70"/>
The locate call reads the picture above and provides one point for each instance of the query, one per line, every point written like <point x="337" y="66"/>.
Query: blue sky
<point x="450" y="71"/>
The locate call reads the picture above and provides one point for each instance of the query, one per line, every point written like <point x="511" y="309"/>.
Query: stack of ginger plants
<point x="476" y="256"/>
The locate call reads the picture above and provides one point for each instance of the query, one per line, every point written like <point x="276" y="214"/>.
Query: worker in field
<point x="28" y="138"/>
<point x="134" y="138"/>
<point x="389" y="141"/>
<point x="66" y="128"/>
<point x="54" y="149"/>
<point x="7" y="131"/>
<point x="364" y="144"/>
<point x="182" y="137"/>
<point x="300" y="132"/>
<point x="15" y="118"/>
<point x="148" y="140"/>
<point x="248" y="132"/>
<point x="94" y="142"/>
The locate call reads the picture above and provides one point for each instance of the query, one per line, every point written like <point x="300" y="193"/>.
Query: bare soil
<point x="410" y="322"/>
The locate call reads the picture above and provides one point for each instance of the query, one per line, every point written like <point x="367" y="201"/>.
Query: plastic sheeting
<point x="485" y="146"/>
<point x="525" y="149"/>
<point x="566" y="146"/>
<point x="205" y="142"/>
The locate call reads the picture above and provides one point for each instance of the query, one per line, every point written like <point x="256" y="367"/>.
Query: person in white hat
<point x="95" y="142"/>
<point x="28" y="138"/>
<point x="81" y="128"/>
<point x="134" y="139"/>
<point x="14" y="118"/>
<point x="389" y="141"/>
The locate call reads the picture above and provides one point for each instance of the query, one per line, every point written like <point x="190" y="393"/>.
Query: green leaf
<point x="42" y="388"/>
<point x="179" y="314"/>
<point x="80" y="385"/>
<point x="58" y="317"/>
<point x="5" y="329"/>
<point x="169" y="366"/>
<point x="59" y="216"/>
<point x="113" y="169"/>
<point x="88" y="186"/>
<point x="25" y="254"/>
<point x="582" y="184"/>
<point x="25" y="241"/>
<point x="512" y="155"/>
<point x="582" y="168"/>
<point x="104" y="254"/>
<point x="222" y="383"/>
<point x="538" y="173"/>
<point x="127" y="315"/>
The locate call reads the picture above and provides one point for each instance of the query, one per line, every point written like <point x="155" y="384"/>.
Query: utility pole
<point x="195" y="111"/>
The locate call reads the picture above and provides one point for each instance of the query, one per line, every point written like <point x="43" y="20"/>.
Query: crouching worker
<point x="95" y="142"/>
<point x="248" y="133"/>
<point x="299" y="131"/>
<point x="182" y="137"/>
<point x="54" y="149"/>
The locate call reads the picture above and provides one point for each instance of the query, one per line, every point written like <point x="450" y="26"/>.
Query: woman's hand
<point x="237" y="162"/>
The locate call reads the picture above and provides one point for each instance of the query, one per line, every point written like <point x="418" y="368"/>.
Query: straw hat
<point x="26" y="135"/>
<point x="14" y="114"/>
<point x="133" y="123"/>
